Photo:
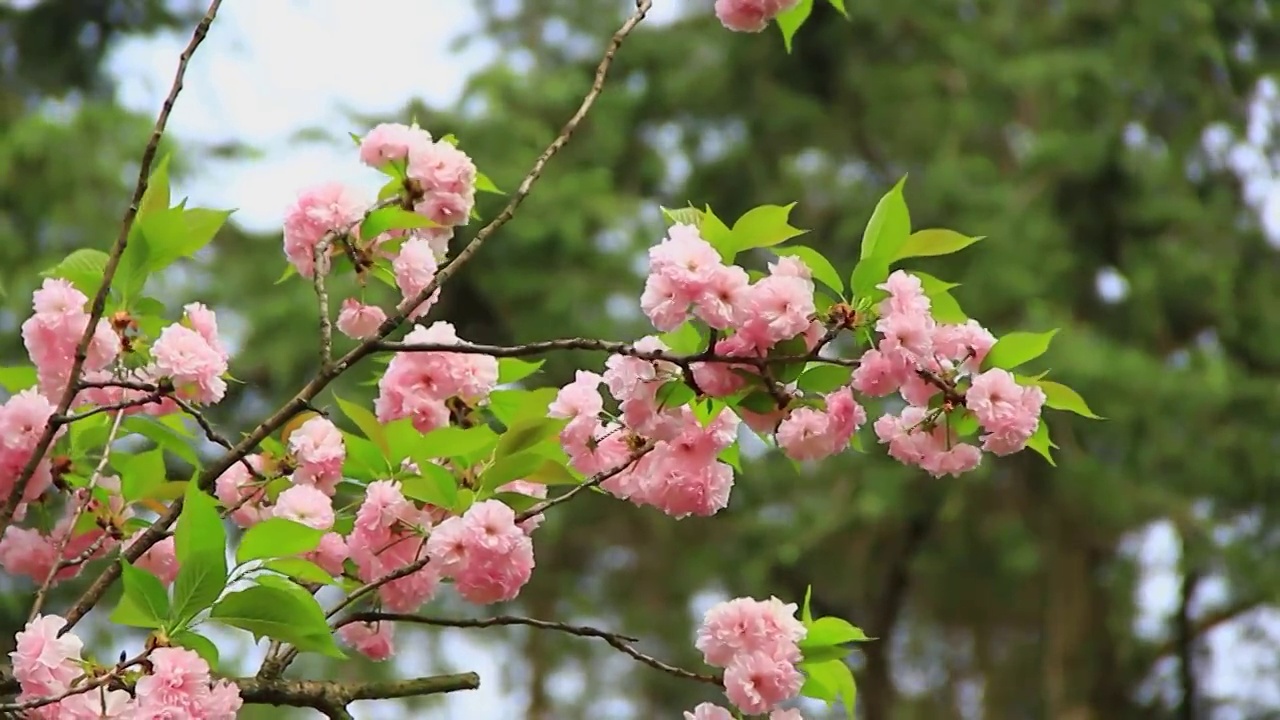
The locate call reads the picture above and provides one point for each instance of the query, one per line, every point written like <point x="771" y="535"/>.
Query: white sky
<point x="270" y="68"/>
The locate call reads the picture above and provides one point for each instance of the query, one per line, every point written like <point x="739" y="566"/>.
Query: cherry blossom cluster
<point x="916" y="357"/>
<point x="170" y="682"/>
<point x="440" y="181"/>
<point x="750" y="15"/>
<point x="757" y="643"/>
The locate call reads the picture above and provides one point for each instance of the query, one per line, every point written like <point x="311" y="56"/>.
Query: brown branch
<point x="331" y="698"/>
<point x="303" y="398"/>
<point x="319" y="272"/>
<point x="113" y="262"/>
<point x="620" y="642"/>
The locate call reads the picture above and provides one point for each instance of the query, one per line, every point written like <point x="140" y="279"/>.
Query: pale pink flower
<point x="44" y="663"/>
<point x="750" y="15"/>
<point x="359" y="321"/>
<point x="758" y="682"/>
<point x="373" y="640"/>
<point x="196" y="368"/>
<point x="415" y="267"/>
<point x="487" y="554"/>
<point x="160" y="559"/>
<point x="319" y="450"/>
<point x="392" y="141"/>
<point x="745" y="626"/>
<point x="306" y="505"/>
<point x="319" y="210"/>
<point x="708" y="711"/>
<point x="579" y="398"/>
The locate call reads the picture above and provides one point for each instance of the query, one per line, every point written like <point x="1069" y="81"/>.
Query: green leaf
<point x="831" y="631"/>
<point x="867" y="274"/>
<point x="484" y="184"/>
<point x="392" y="218"/>
<point x="163" y="435"/>
<point x="715" y="232"/>
<point x="683" y="216"/>
<point x="732" y="456"/>
<point x="202" y="576"/>
<point x="1061" y="397"/>
<point x="365" y="420"/>
<point x="364" y="460"/>
<point x="822" y="269"/>
<point x="889" y="227"/>
<point x="684" y="340"/>
<point x="278" y="614"/>
<point x="764" y="226"/>
<point x="932" y="285"/>
<point x="551" y="472"/>
<point x="176" y="233"/>
<point x="434" y="485"/>
<point x="514" y="369"/>
<point x="84" y="268"/>
<point x="198" y="643"/>
<point x="508" y="468"/>
<point x="945" y="309"/>
<point x="1041" y="443"/>
<point x="300" y="569"/>
<point x="277" y="538"/>
<point x="156" y="197"/>
<point x="1017" y="348"/>
<point x="824" y="378"/>
<point x="90" y="434"/>
<point x="201" y="544"/>
<point x="454" y="441"/>
<point x="510" y="406"/>
<point x="524" y="434"/>
<point x="146" y="594"/>
<point x="791" y="20"/>
<point x="934" y="242"/>
<point x="289" y="271"/>
<point x="828" y="681"/>
<point x="139" y="474"/>
<point x="839" y="6"/>
<point x="673" y="394"/>
<point x="18" y="378"/>
<point x="806" y="615"/>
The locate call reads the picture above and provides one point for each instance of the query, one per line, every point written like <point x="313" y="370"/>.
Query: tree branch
<point x="620" y="642"/>
<point x="303" y="398"/>
<point x="331" y="698"/>
<point x="609" y="346"/>
<point x="113" y="262"/>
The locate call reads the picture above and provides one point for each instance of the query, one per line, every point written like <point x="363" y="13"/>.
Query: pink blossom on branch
<point x="750" y="15"/>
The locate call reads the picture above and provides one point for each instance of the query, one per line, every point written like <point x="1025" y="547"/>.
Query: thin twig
<point x="214" y="436"/>
<point x="620" y="642"/>
<point x="320" y="272"/>
<point x="113" y="262"/>
<point x="303" y="398"/>
<point x="20" y="709"/>
<point x="151" y="397"/>
<point x="60" y="564"/>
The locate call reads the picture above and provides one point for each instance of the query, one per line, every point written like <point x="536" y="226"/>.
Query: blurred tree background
<point x="1096" y="143"/>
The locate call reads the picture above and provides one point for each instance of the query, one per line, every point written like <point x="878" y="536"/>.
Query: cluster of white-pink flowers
<point x="440" y="179"/>
<point x="757" y="644"/>
<point x="913" y="351"/>
<point x="175" y="684"/>
<point x="750" y="15"/>
<point x="417" y="384"/>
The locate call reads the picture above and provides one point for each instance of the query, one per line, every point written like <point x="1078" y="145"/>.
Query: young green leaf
<point x="839" y="6"/>
<point x="392" y="218"/>
<point x="164" y="435"/>
<point x="527" y="433"/>
<point x="18" y="378"/>
<point x="831" y="631"/>
<point x="202" y="576"/>
<point x="198" y="643"/>
<point x="684" y="340"/>
<point x="683" y="216"/>
<point x="822" y="269"/>
<point x="934" y="242"/>
<point x="551" y="472"/>
<point x="139" y="474"/>
<point x="277" y="538"/>
<point x="514" y="369"/>
<point x="867" y="274"/>
<point x="300" y="569"/>
<point x="485" y="184"/>
<point x="177" y="233"/>
<point x="715" y="232"/>
<point x="1017" y="348"/>
<point x="433" y="485"/>
<point x="84" y="268"/>
<point x="199" y="528"/>
<point x="146" y="595"/>
<point x="824" y="378"/>
<point x="365" y="420"/>
<point x="791" y="20"/>
<point x="673" y="394"/>
<point x="1061" y="397"/>
<point x="1041" y="443"/>
<point x="945" y="309"/>
<point x="508" y="468"/>
<point x="764" y="226"/>
<point x="272" y="612"/>
<point x="454" y="441"/>
<point x="889" y="227"/>
<point x="156" y="197"/>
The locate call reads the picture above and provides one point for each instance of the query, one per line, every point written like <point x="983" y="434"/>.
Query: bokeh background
<point x="1121" y="157"/>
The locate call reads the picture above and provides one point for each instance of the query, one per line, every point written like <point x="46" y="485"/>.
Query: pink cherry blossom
<point x="416" y="384"/>
<point x="757" y="682"/>
<point x="306" y="505"/>
<point x="744" y="626"/>
<point x="415" y="267"/>
<point x="392" y="141"/>
<point x="708" y="711"/>
<point x="195" y="366"/>
<point x="358" y="320"/>
<point x="319" y="210"/>
<point x="750" y="15"/>
<point x="373" y="640"/>
<point x="319" y="450"/>
<point x="485" y="552"/>
<point x="179" y="685"/>
<point x="44" y="663"/>
<point x="160" y="559"/>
